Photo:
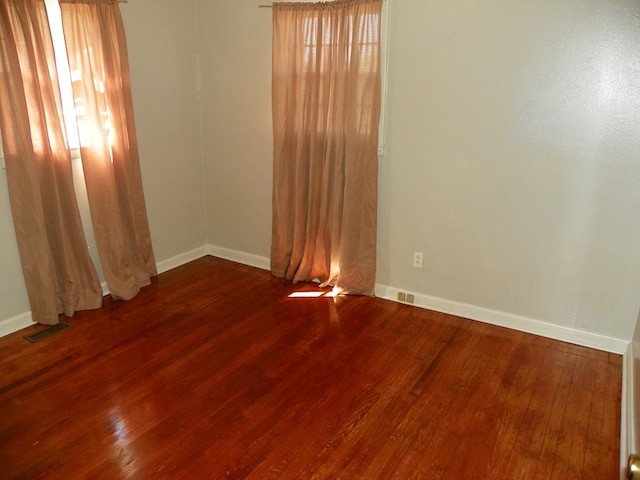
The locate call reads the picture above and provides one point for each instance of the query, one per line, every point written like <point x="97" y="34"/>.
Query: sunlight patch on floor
<point x="315" y="294"/>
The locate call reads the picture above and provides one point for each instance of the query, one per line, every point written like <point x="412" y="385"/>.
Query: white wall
<point x="511" y="162"/>
<point x="162" y="45"/>
<point x="13" y="295"/>
<point x="235" y="46"/>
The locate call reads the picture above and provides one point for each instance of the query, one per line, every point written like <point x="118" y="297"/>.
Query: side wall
<point x="235" y="63"/>
<point x="512" y="159"/>
<point x="163" y="50"/>
<point x="511" y="154"/>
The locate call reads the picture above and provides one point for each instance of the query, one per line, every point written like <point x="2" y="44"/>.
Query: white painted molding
<point x="627" y="415"/>
<point x="524" y="324"/>
<point x="181" y="259"/>
<point x="240" y="257"/>
<point x="12" y="325"/>
<point x="508" y="320"/>
<point x="169" y="264"/>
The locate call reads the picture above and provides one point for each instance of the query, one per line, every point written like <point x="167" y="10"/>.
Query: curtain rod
<point x="259" y="6"/>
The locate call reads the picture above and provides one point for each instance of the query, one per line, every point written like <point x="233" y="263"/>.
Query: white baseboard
<point x="528" y="325"/>
<point x="508" y="320"/>
<point x="627" y="415"/>
<point x="240" y="257"/>
<point x="169" y="263"/>
<point x="181" y="259"/>
<point x="494" y="317"/>
<point x="12" y="325"/>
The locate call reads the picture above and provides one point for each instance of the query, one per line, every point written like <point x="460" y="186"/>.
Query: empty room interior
<point x="509" y="154"/>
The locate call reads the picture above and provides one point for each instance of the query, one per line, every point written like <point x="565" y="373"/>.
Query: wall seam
<point x="198" y="86"/>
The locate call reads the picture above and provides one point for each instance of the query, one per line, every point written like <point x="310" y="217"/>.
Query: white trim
<point x="627" y="415"/>
<point x="250" y="259"/>
<point x="509" y="320"/>
<point x="494" y="317"/>
<point x="2" y="164"/>
<point x="384" y="73"/>
<point x="181" y="259"/>
<point x="12" y="325"/>
<point x="170" y="263"/>
<point x="472" y="312"/>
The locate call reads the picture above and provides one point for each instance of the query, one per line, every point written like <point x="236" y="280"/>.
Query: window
<point x="64" y="75"/>
<point x="75" y="127"/>
<point x="78" y="129"/>
<point x="326" y="102"/>
<point x="384" y="59"/>
<point x="1" y="153"/>
<point x="320" y="51"/>
<point x="318" y="48"/>
<point x="318" y="58"/>
<point x="74" y="54"/>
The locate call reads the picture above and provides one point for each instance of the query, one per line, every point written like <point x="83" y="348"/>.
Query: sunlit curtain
<point x="58" y="272"/>
<point x="326" y="109"/>
<point x="98" y="61"/>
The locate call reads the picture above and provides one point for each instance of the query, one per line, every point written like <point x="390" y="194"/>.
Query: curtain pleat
<point x="58" y="272"/>
<point x="98" y="60"/>
<point x="326" y="109"/>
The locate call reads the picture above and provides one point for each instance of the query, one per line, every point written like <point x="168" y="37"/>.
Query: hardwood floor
<point x="213" y="371"/>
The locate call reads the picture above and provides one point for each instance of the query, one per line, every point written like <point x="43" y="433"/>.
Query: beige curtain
<point x="326" y="109"/>
<point x="58" y="272"/>
<point x="98" y="61"/>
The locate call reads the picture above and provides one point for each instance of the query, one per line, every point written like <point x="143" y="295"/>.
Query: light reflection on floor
<point x="315" y="294"/>
<point x="124" y="453"/>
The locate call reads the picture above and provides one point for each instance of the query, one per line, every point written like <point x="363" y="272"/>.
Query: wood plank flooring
<point x="214" y="372"/>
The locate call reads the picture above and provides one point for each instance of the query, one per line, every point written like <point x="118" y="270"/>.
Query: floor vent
<point x="47" y="332"/>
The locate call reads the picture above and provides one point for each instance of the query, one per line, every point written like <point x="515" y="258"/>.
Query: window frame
<point x="2" y="163"/>
<point x="65" y="77"/>
<point x="384" y="68"/>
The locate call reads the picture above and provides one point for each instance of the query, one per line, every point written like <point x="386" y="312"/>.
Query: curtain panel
<point x="96" y="47"/>
<point x="326" y="110"/>
<point x="58" y="272"/>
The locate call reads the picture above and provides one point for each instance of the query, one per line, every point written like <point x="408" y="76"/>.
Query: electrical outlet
<point x="406" y="297"/>
<point x="417" y="259"/>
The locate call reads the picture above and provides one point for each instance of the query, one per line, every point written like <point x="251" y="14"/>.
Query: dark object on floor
<point x="47" y="332"/>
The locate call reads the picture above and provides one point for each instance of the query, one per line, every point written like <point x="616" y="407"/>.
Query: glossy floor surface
<point x="216" y="371"/>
